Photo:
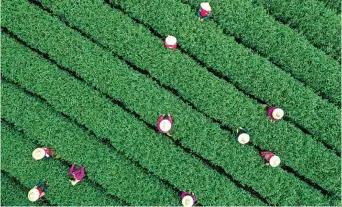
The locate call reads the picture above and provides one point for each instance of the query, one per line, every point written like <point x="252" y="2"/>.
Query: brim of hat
<point x="276" y="112"/>
<point x="187" y="198"/>
<point x="171" y="40"/>
<point x="33" y="195"/>
<point x="274" y="161"/>
<point x="206" y="6"/>
<point x="38" y="153"/>
<point x="165" y="125"/>
<point x="243" y="138"/>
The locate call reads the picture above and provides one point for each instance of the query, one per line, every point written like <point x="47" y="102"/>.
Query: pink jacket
<point x="267" y="155"/>
<point x="187" y="193"/>
<point x="269" y="114"/>
<point x="78" y="174"/>
<point x="161" y="118"/>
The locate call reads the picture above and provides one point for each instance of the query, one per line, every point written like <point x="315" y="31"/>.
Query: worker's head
<point x="46" y="183"/>
<point x="278" y="113"/>
<point x="243" y="138"/>
<point x="38" y="154"/>
<point x="33" y="195"/>
<point x="165" y="125"/>
<point x="274" y="161"/>
<point x="187" y="201"/>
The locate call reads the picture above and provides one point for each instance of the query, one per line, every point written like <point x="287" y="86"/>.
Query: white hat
<point x="187" y="201"/>
<point x="206" y="6"/>
<point x="274" y="161"/>
<point x="38" y="153"/>
<point x="165" y="125"/>
<point x="243" y="138"/>
<point x="278" y="113"/>
<point x="171" y="40"/>
<point x="33" y="195"/>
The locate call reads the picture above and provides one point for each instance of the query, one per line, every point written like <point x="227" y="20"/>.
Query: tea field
<point x="90" y="78"/>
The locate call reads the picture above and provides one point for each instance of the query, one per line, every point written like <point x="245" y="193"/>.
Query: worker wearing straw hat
<point x="170" y="42"/>
<point x="38" y="191"/>
<point x="164" y="124"/>
<point x="204" y="12"/>
<point x="271" y="159"/>
<point x="242" y="135"/>
<point x="41" y="153"/>
<point x="275" y="114"/>
<point x="188" y="199"/>
<point x="77" y="174"/>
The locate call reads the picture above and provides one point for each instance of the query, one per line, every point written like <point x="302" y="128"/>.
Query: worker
<point x="41" y="153"/>
<point x="242" y="135"/>
<point x="275" y="114"/>
<point x="77" y="174"/>
<point x="38" y="191"/>
<point x="171" y="42"/>
<point x="188" y="199"/>
<point x="204" y="12"/>
<point x="164" y="124"/>
<point x="270" y="158"/>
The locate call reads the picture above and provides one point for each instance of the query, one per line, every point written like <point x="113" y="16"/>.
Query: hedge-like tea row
<point x="249" y="159"/>
<point x="292" y="155"/>
<point x="128" y="134"/>
<point x="17" y="160"/>
<point x="247" y="70"/>
<point x="12" y="194"/>
<point x="116" y="174"/>
<point x="300" y="103"/>
<point x="334" y="5"/>
<point x="277" y="42"/>
<point x="321" y="26"/>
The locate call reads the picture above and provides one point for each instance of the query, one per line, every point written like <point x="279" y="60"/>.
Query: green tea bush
<point x="17" y="160"/>
<point x="320" y="25"/>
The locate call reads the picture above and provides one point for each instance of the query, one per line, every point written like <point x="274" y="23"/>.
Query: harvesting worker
<point x="164" y="124"/>
<point x="204" y="11"/>
<point x="77" y="174"/>
<point x="242" y="135"/>
<point x="270" y="158"/>
<point x="274" y="113"/>
<point x="170" y="42"/>
<point x="41" y="153"/>
<point x="188" y="199"/>
<point x="38" y="191"/>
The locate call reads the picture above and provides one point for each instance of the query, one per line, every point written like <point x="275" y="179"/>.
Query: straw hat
<point x="171" y="40"/>
<point x="243" y="138"/>
<point x="165" y="125"/>
<point x="278" y="113"/>
<point x="187" y="201"/>
<point x="38" y="153"/>
<point x="206" y="6"/>
<point x="274" y="161"/>
<point x="33" y="195"/>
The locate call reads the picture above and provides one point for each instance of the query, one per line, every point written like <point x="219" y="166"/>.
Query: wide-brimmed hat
<point x="187" y="201"/>
<point x="33" y="195"/>
<point x="243" y="138"/>
<point x="205" y="6"/>
<point x="38" y="154"/>
<point x="171" y="40"/>
<point x="274" y="161"/>
<point x="165" y="125"/>
<point x="278" y="113"/>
